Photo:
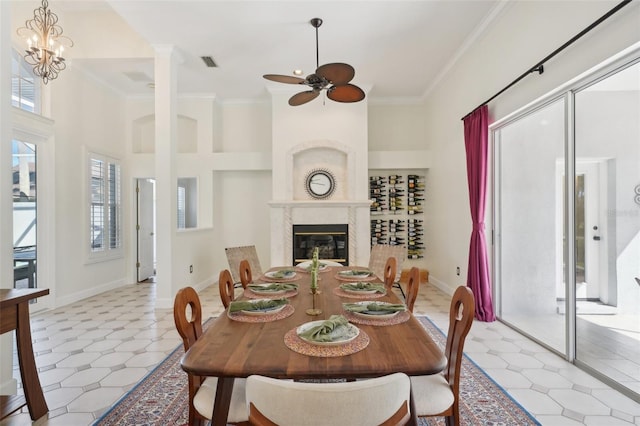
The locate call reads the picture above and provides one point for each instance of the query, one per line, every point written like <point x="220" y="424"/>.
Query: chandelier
<point x="45" y="43"/>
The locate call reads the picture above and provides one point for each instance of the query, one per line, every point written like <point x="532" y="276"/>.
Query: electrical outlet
<point x="191" y="269"/>
<point x="457" y="270"/>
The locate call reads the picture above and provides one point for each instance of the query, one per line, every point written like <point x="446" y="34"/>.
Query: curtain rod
<point x="539" y="67"/>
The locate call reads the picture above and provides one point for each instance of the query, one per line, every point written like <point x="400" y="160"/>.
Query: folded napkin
<point x="329" y="330"/>
<point x="355" y="273"/>
<point x="273" y="287"/>
<point x="282" y="273"/>
<point x="258" y="305"/>
<point x="360" y="286"/>
<point x="374" y="307"/>
<point x="321" y="266"/>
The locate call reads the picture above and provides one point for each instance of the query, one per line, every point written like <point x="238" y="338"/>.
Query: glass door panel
<point x="24" y="214"/>
<point x="530" y="228"/>
<point x="607" y="132"/>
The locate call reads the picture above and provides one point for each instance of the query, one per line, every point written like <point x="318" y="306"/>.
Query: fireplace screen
<point x="332" y="242"/>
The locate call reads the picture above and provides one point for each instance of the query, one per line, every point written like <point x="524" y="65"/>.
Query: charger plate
<point x="281" y="314"/>
<point x="251" y="295"/>
<point x="268" y="276"/>
<point x="353" y="295"/>
<point x="296" y="344"/>
<point x="397" y="319"/>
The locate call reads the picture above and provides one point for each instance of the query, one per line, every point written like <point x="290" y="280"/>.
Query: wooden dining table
<point x="230" y="349"/>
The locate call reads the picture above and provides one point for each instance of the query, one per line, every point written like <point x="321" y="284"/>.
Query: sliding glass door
<point x="567" y="223"/>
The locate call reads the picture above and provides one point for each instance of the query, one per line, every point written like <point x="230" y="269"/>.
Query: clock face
<point x="320" y="183"/>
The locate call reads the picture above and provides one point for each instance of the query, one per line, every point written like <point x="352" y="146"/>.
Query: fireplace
<point x="332" y="241"/>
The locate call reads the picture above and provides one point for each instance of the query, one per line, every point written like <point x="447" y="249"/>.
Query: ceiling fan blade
<point x="345" y="93"/>
<point x="337" y="73"/>
<point x="284" y="78"/>
<point x="303" y="97"/>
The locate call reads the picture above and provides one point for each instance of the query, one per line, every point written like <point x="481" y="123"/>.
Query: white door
<point x="146" y="228"/>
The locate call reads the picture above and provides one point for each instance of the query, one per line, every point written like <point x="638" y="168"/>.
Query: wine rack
<point x="398" y="207"/>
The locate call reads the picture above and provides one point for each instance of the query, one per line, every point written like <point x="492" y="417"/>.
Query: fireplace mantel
<point x="320" y="203"/>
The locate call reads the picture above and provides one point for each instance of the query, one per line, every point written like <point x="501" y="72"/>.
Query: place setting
<point x="308" y="265"/>
<point x="332" y="337"/>
<point x="360" y="290"/>
<point x="371" y="312"/>
<point x="260" y="310"/>
<point x="273" y="290"/>
<point x="281" y="275"/>
<point x="356" y="274"/>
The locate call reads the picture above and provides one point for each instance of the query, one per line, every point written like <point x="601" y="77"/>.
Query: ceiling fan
<point x="334" y="78"/>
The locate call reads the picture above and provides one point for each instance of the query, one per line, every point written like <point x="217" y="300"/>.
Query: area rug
<point x="160" y="398"/>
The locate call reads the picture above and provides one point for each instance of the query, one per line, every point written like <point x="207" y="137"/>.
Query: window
<point x="187" y="203"/>
<point x="105" y="205"/>
<point x="25" y="88"/>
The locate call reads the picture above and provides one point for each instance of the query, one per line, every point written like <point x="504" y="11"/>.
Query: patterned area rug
<point x="161" y="397"/>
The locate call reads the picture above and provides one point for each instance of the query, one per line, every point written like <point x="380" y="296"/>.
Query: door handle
<point x="596" y="237"/>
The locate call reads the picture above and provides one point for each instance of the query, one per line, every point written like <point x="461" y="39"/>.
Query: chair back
<point x="225" y="284"/>
<point x="189" y="325"/>
<point x="378" y="259"/>
<point x="390" y="272"/>
<point x="413" y="286"/>
<point x="379" y="401"/>
<point x="245" y="273"/>
<point x="461" y="316"/>
<point x="235" y="255"/>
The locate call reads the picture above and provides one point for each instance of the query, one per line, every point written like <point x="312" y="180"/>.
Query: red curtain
<point x="476" y="130"/>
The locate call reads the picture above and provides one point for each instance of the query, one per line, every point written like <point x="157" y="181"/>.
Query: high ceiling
<point x="399" y="49"/>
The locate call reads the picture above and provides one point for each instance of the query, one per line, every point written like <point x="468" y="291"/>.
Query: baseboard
<point x="446" y="288"/>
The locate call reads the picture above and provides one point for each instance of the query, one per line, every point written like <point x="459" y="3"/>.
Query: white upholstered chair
<point x="439" y="394"/>
<point x="187" y="314"/>
<point x="379" y="401"/>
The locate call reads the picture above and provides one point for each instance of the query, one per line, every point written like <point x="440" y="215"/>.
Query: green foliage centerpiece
<point x="315" y="264"/>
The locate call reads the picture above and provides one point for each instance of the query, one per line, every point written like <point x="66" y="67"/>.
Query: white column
<point x="166" y="121"/>
<point x="8" y="385"/>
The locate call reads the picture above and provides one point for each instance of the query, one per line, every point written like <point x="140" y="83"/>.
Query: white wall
<point x="523" y="34"/>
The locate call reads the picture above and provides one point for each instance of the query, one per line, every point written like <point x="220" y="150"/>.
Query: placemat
<point x="397" y="319"/>
<point x="280" y="280"/>
<point x="305" y="271"/>
<point x="355" y="279"/>
<point x="340" y="292"/>
<point x="251" y="295"/>
<point x="296" y="344"/>
<point x="285" y="312"/>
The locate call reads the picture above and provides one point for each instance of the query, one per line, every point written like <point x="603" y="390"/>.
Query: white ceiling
<point x="398" y="48"/>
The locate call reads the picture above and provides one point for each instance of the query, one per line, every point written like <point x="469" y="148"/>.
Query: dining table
<point x="237" y="346"/>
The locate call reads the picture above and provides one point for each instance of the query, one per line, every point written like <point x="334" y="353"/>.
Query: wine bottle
<point x="414" y="256"/>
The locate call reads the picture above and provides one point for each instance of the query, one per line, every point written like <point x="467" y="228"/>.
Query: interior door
<point x="145" y="189"/>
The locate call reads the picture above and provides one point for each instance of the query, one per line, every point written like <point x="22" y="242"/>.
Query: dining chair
<point x="439" y="394"/>
<point x="235" y="255"/>
<point x="245" y="273"/>
<point x="390" y="272"/>
<point x="413" y="286"/>
<point x="187" y="315"/>
<point x="378" y="401"/>
<point x="378" y="260"/>
<point x="227" y="287"/>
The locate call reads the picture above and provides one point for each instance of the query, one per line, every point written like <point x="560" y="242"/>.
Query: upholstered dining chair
<point x="378" y="260"/>
<point x="245" y="273"/>
<point x="187" y="314"/>
<point x="379" y="401"/>
<point x="235" y="255"/>
<point x="413" y="286"/>
<point x="226" y="286"/>
<point x="390" y="272"/>
<point x="439" y="394"/>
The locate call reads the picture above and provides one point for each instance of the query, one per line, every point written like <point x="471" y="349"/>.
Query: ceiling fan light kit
<point x="334" y="78"/>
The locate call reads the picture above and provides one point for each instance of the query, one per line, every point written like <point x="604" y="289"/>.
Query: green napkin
<point x="321" y="266"/>
<point x="246" y="305"/>
<point x="273" y="287"/>
<point x="374" y="307"/>
<point x="356" y="273"/>
<point x="360" y="286"/>
<point x="284" y="273"/>
<point x="329" y="330"/>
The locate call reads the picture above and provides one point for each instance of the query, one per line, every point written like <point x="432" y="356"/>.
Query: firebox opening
<point x="332" y="242"/>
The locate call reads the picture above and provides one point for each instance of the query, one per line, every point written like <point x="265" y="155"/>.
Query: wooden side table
<point x="14" y="315"/>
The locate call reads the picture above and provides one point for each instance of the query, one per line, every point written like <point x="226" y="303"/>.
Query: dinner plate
<point x="353" y="333"/>
<point x="363" y="291"/>
<point x="355" y="274"/>
<point x="255" y="290"/>
<point x="278" y="275"/>
<point x="265" y="311"/>
<point x="375" y="314"/>
<point x="306" y="266"/>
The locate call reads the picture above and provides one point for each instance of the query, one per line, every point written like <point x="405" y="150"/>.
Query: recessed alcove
<point x="144" y="135"/>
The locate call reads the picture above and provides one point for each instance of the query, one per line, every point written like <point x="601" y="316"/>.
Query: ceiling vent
<point x="209" y="62"/>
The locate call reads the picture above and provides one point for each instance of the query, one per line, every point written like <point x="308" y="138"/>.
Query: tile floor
<point x="90" y="353"/>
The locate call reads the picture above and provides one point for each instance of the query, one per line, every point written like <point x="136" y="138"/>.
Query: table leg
<point x="222" y="401"/>
<point x="30" y="381"/>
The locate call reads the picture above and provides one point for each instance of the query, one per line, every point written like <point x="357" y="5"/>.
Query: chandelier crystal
<point x="45" y="43"/>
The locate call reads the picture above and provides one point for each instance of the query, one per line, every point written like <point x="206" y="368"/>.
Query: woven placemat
<point x="296" y="344"/>
<point x="355" y="279"/>
<point x="396" y="319"/>
<point x="280" y="280"/>
<point x="340" y="292"/>
<point x="251" y="295"/>
<point x="285" y="312"/>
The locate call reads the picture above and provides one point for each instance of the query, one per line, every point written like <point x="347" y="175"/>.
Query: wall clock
<point x="320" y="183"/>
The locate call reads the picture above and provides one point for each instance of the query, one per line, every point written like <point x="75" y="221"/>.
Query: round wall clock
<point x="320" y="183"/>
